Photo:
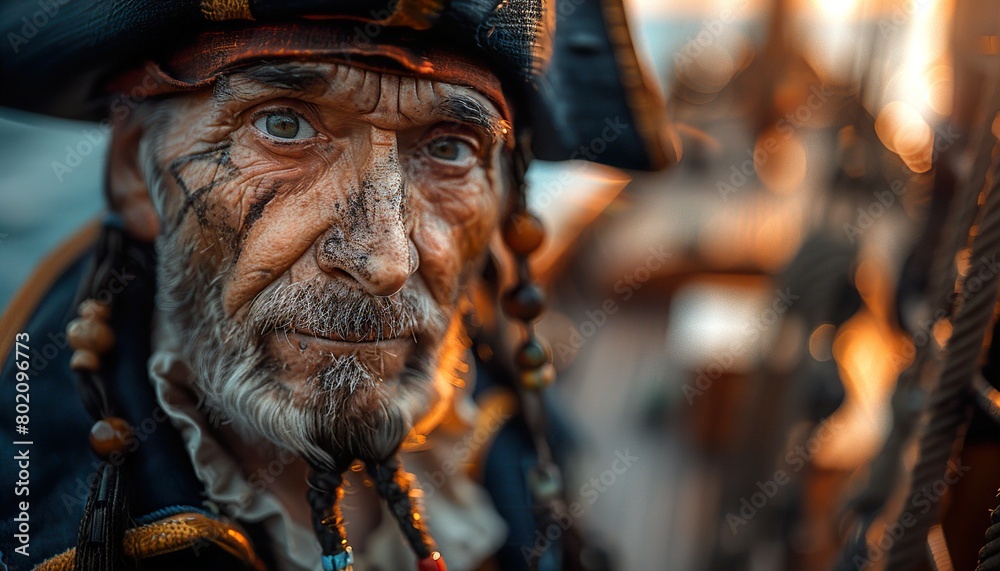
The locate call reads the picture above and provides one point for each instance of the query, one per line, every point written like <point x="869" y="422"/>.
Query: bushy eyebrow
<point x="310" y="80"/>
<point x="467" y="109"/>
<point x="290" y="76"/>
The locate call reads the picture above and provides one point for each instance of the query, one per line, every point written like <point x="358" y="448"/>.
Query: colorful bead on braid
<point x="395" y="486"/>
<point x="325" y="493"/>
<point x="343" y="561"/>
<point x="432" y="563"/>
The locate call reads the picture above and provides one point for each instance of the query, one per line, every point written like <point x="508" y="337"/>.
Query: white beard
<point x="350" y="411"/>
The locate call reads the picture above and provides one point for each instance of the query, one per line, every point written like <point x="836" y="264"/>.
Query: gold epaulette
<point x="185" y="531"/>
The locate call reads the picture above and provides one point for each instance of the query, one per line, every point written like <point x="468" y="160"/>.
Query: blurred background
<point x="730" y="333"/>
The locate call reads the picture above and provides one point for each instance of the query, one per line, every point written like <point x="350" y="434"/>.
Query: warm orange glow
<point x="860" y="351"/>
<point x="709" y="71"/>
<point x="903" y="131"/>
<point x="685" y="8"/>
<point x="962" y="262"/>
<point x="866" y="279"/>
<point x="870" y="355"/>
<point x="836" y="8"/>
<point x="942" y="332"/>
<point x="240" y="538"/>
<point x="940" y="82"/>
<point x="780" y="161"/>
<point x="764" y="231"/>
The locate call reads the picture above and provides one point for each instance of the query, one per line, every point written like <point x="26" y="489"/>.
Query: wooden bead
<point x="433" y="563"/>
<point x="91" y="334"/>
<point x="538" y="379"/>
<point x="94" y="309"/>
<point x="533" y="354"/>
<point x="523" y="233"/>
<point x="525" y="301"/>
<point x="85" y="360"/>
<point x="110" y="435"/>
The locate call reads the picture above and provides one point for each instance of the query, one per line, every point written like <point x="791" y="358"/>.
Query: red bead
<point x="110" y="435"/>
<point x="525" y="301"/>
<point x="433" y="563"/>
<point x="523" y="233"/>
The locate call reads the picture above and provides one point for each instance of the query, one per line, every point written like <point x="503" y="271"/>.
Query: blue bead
<point x="343" y="561"/>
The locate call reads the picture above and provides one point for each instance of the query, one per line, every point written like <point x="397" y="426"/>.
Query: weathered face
<point x="319" y="223"/>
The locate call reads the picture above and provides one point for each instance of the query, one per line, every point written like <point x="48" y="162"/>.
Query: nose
<point x="371" y="242"/>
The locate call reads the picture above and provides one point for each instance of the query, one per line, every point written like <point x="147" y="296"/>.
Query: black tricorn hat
<point x="570" y="66"/>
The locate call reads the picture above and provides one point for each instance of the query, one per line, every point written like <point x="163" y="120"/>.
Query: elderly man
<point x="308" y="191"/>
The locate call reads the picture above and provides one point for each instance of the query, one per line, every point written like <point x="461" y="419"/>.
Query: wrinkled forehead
<point x="383" y="99"/>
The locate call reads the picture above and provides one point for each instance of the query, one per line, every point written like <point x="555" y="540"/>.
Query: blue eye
<point x="450" y="149"/>
<point x="285" y="125"/>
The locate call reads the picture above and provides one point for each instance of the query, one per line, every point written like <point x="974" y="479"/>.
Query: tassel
<point x="99" y="543"/>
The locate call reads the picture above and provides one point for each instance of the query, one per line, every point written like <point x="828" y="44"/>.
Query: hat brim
<point x="581" y="89"/>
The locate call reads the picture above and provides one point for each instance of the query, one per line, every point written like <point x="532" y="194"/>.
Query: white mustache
<point x="335" y="311"/>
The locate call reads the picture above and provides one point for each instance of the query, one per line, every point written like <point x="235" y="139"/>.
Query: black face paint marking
<point x="194" y="200"/>
<point x="253" y="214"/>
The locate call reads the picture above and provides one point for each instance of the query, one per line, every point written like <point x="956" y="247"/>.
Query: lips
<point x="303" y="355"/>
<point x="370" y="337"/>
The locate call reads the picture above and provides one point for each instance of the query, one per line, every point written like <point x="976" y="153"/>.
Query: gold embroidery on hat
<point x="219" y="10"/>
<point x="416" y="14"/>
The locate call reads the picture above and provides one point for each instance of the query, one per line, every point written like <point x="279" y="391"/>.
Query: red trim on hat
<point x="214" y="53"/>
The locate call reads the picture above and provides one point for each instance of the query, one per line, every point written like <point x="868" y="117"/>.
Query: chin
<point x="358" y="404"/>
